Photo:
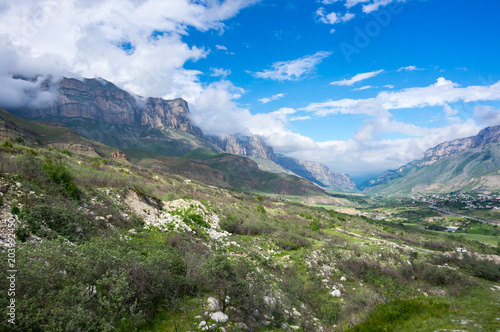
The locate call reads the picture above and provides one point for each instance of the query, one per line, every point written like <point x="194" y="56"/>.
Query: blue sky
<point x="359" y="85"/>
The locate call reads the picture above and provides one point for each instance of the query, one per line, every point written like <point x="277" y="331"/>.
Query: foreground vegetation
<point x="104" y="244"/>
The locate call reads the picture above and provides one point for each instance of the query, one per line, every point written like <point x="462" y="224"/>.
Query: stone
<point x="213" y="304"/>
<point x="265" y="322"/>
<point x="4" y="188"/>
<point x="132" y="231"/>
<point x="336" y="293"/>
<point x="219" y="317"/>
<point x="343" y="278"/>
<point x="242" y="326"/>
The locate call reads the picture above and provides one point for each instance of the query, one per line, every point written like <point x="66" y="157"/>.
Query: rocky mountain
<point x="244" y="146"/>
<point x="99" y="110"/>
<point x="485" y="136"/>
<point x="460" y="165"/>
<point x="317" y="173"/>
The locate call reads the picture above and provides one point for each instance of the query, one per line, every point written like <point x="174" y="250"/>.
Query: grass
<point x="476" y="311"/>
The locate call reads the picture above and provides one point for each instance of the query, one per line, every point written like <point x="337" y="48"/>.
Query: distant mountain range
<point x="466" y="164"/>
<point x="100" y="111"/>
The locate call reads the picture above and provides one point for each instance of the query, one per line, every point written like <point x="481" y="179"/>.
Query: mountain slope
<point x="466" y="164"/>
<point x="318" y="173"/>
<point x="100" y="111"/>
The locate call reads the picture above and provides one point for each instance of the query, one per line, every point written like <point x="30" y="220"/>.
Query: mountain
<point x="100" y="111"/>
<point x="255" y="148"/>
<point x="464" y="164"/>
<point x="317" y="173"/>
<point x="244" y="146"/>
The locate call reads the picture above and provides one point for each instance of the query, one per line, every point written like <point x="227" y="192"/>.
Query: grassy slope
<point x="296" y="254"/>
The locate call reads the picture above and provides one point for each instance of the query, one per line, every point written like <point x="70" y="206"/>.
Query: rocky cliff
<point x="244" y="146"/>
<point x="100" y="100"/>
<point x="454" y="161"/>
<point x="486" y="136"/>
<point x="318" y="173"/>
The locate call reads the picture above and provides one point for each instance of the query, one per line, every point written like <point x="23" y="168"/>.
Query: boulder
<point x="219" y="317"/>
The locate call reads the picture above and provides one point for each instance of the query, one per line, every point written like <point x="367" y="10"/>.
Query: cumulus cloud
<point x="333" y="17"/>
<point x="293" y="69"/>
<point x="220" y="72"/>
<point x="221" y="47"/>
<point x="273" y="97"/>
<point x="135" y="44"/>
<point x="357" y="78"/>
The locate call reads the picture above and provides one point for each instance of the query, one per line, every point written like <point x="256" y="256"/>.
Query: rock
<point x="4" y="188"/>
<point x="19" y="185"/>
<point x="132" y="231"/>
<point x="296" y="313"/>
<point x="203" y="325"/>
<point x="198" y="317"/>
<point x="343" y="278"/>
<point x="213" y="304"/>
<point x="265" y="322"/>
<point x="242" y="326"/>
<point x="336" y="293"/>
<point x="109" y="217"/>
<point x="270" y="301"/>
<point x="219" y="317"/>
<point x="120" y="155"/>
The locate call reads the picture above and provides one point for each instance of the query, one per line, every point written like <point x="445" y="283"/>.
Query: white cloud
<point x="364" y="88"/>
<point x="376" y="4"/>
<point x="357" y="78"/>
<point x="221" y="47"/>
<point x="293" y="69"/>
<point x="273" y="97"/>
<point x="389" y="86"/>
<point x="352" y="3"/>
<point x="135" y="44"/>
<point x="333" y="17"/>
<point x="220" y="72"/>
<point x="487" y="115"/>
<point x="409" y="68"/>
<point x="328" y="2"/>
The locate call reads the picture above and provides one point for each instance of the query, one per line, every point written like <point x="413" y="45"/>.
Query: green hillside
<point x="471" y="170"/>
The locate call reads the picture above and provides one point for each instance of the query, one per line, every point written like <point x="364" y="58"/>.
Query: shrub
<point x="287" y="241"/>
<point x="197" y="219"/>
<point x="59" y="174"/>
<point x="14" y="209"/>
<point x="260" y="208"/>
<point x="315" y="226"/>
<point x="7" y="145"/>
<point x="66" y="152"/>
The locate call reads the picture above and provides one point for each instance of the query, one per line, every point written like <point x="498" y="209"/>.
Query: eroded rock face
<point x="120" y="155"/>
<point x="244" y="146"/>
<point x="485" y="136"/>
<point x="101" y="100"/>
<point x="318" y="173"/>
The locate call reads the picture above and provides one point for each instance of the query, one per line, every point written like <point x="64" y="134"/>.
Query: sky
<point x="361" y="86"/>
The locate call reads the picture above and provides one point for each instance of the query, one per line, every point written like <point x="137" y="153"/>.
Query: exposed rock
<point x="317" y="173"/>
<point x="219" y="317"/>
<point x="242" y="326"/>
<point x="244" y="146"/>
<point x="336" y="293"/>
<point x="119" y="154"/>
<point x="213" y="304"/>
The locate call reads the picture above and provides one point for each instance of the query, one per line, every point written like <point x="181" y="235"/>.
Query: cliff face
<point x="447" y="152"/>
<point x="486" y="136"/>
<point x="318" y="173"/>
<point x="244" y="146"/>
<point x="99" y="100"/>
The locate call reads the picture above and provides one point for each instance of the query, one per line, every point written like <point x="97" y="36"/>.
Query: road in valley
<point x="433" y="206"/>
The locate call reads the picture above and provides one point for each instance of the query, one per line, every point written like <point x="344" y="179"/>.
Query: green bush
<point x="287" y="241"/>
<point x="7" y="145"/>
<point x="197" y="219"/>
<point x="59" y="174"/>
<point x="66" y="152"/>
<point x="14" y="209"/>
<point x="315" y="226"/>
<point x="260" y="208"/>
